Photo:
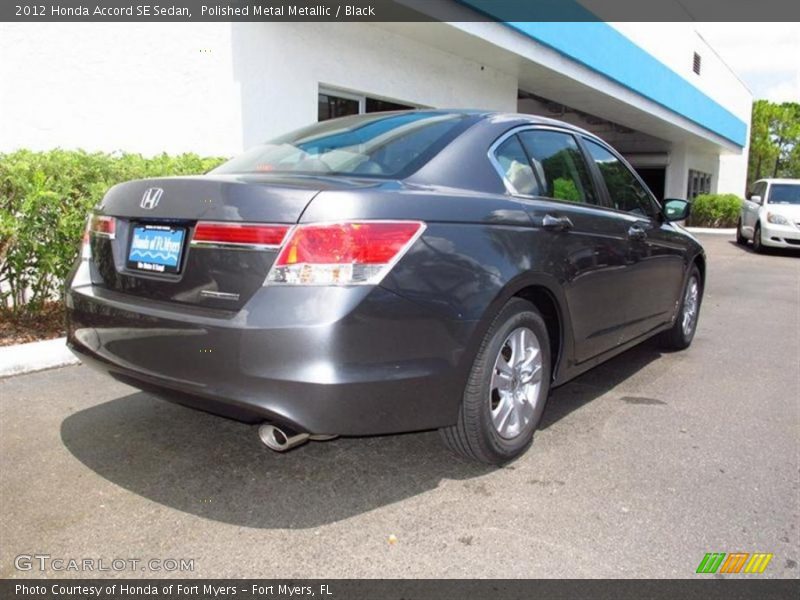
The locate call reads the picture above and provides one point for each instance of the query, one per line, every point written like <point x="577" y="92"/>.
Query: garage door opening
<point x="655" y="178"/>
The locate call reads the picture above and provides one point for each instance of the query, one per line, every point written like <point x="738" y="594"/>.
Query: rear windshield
<point x="784" y="193"/>
<point x="390" y="145"/>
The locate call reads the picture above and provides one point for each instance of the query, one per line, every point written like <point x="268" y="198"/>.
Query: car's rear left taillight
<point x="351" y="253"/>
<point x="103" y="226"/>
<point x="98" y="225"/>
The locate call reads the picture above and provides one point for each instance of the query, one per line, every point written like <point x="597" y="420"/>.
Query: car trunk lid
<point x="153" y="252"/>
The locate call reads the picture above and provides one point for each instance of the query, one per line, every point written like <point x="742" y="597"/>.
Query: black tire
<point x="757" y="245"/>
<point x="475" y="436"/>
<point x="678" y="337"/>
<point x="740" y="239"/>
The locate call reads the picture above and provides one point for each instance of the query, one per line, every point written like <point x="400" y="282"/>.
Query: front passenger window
<point x="627" y="194"/>
<point x="760" y="190"/>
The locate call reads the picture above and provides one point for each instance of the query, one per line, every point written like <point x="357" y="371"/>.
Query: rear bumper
<point x="347" y="361"/>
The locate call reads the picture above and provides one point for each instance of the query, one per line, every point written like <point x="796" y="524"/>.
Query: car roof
<point x="777" y="180"/>
<point x="512" y="119"/>
<point x="495" y="117"/>
<point x="525" y="119"/>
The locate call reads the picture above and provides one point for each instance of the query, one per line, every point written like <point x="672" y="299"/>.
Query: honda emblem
<point x="151" y="198"/>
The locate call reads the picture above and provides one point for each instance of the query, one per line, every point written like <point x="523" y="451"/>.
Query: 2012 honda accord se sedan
<point x="384" y="273"/>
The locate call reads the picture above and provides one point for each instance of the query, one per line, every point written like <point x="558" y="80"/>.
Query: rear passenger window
<point x="558" y="163"/>
<point x="627" y="194"/>
<point x="516" y="169"/>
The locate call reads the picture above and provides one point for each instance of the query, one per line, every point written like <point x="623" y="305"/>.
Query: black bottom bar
<point x="393" y="589"/>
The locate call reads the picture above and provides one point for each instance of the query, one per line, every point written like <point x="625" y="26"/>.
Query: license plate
<point x="156" y="248"/>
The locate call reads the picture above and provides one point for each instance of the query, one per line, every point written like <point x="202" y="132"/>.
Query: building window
<point x="375" y="105"/>
<point x="697" y="63"/>
<point x="699" y="183"/>
<point x="334" y="103"/>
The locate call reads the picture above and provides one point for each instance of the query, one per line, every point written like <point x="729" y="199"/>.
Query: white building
<point x="656" y="91"/>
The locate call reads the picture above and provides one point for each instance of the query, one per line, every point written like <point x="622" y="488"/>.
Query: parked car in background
<point x="384" y="273"/>
<point x="770" y="215"/>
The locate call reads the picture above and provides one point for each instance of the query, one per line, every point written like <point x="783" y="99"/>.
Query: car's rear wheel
<point x="507" y="388"/>
<point x="681" y="334"/>
<point x="740" y="239"/>
<point x="757" y="245"/>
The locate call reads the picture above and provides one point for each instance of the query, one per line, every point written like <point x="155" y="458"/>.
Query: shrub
<point x="715" y="210"/>
<point x="44" y="201"/>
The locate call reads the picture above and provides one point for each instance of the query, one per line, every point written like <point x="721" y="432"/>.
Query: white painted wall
<point x="674" y="44"/>
<point x="733" y="172"/>
<point x="683" y="158"/>
<point x="298" y="57"/>
<point x="728" y="171"/>
<point x="212" y="88"/>
<point x="217" y="88"/>
<point x="119" y="86"/>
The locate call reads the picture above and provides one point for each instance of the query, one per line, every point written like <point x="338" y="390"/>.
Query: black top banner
<point x="401" y="10"/>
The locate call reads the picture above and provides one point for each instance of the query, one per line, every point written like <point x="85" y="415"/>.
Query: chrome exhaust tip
<point x="280" y="440"/>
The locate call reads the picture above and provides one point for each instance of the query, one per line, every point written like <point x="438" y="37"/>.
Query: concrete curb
<point x="731" y="231"/>
<point x="35" y="356"/>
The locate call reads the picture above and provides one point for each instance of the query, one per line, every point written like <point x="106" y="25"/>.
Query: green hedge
<point x="715" y="210"/>
<point x="44" y="201"/>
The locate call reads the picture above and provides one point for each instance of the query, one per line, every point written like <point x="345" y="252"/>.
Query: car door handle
<point x="635" y="232"/>
<point x="556" y="223"/>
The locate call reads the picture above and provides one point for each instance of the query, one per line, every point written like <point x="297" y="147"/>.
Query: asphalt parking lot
<point x="641" y="467"/>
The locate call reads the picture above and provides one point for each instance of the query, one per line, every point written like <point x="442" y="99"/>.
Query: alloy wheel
<point x="516" y="383"/>
<point x="691" y="305"/>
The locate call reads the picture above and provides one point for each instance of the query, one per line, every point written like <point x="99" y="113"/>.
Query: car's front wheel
<point x="757" y="245"/>
<point x="507" y="388"/>
<point x="740" y="239"/>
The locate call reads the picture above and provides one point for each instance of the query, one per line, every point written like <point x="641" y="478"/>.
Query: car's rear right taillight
<point x="350" y="253"/>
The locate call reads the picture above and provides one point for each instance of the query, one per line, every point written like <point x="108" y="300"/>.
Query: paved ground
<point x="642" y="466"/>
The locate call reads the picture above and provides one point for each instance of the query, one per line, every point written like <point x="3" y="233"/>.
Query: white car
<point x="771" y="215"/>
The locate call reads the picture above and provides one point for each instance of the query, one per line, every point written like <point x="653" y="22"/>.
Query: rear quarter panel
<point x="477" y="251"/>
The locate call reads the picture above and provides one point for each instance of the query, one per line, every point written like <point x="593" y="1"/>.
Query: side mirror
<point x="676" y="210"/>
<point x="756" y="199"/>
